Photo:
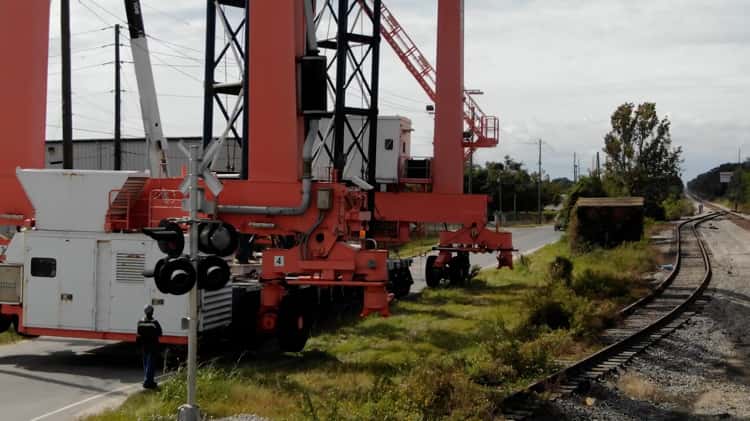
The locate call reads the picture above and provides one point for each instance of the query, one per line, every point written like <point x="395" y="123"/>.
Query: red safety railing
<point x="118" y="214"/>
<point x="162" y="203"/>
<point x="485" y="128"/>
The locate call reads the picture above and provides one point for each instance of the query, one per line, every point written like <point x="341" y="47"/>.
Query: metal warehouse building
<point x="99" y="154"/>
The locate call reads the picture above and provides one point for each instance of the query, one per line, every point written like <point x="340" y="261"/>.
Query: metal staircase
<point x="485" y="129"/>
<point x="121" y="202"/>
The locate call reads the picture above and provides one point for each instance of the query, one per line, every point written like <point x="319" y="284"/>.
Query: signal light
<point x="221" y="239"/>
<point x="169" y="237"/>
<point x="213" y="273"/>
<point x="175" y="276"/>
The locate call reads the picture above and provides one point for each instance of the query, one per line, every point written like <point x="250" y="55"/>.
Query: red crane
<point x="484" y="129"/>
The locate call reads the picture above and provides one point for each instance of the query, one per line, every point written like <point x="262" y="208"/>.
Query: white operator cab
<point x="393" y="149"/>
<point x="81" y="281"/>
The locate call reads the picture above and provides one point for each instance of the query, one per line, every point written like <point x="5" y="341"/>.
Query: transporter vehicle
<point x="317" y="185"/>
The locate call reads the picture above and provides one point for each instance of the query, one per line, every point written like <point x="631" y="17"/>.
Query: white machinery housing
<point x="393" y="149"/>
<point x="72" y="278"/>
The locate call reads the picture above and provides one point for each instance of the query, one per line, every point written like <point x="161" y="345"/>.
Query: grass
<point x="9" y="337"/>
<point x="453" y="353"/>
<point x="415" y="247"/>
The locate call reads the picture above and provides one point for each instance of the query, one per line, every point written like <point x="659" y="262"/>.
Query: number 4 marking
<point x="278" y="261"/>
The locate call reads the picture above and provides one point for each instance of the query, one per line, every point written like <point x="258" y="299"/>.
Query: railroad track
<point x="645" y="322"/>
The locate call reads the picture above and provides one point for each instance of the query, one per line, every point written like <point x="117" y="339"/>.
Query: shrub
<point x="561" y="270"/>
<point x="506" y="356"/>
<point x="596" y="284"/>
<point x="441" y="389"/>
<point x="551" y="314"/>
<point x="676" y="208"/>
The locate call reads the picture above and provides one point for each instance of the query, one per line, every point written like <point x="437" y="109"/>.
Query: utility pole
<point x="67" y="107"/>
<point x="118" y="144"/>
<point x="739" y="182"/>
<point x="598" y="168"/>
<point x="575" y="170"/>
<point x="539" y="187"/>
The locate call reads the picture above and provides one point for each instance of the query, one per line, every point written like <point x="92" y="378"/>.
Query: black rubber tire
<point x="459" y="269"/>
<point x="293" y="324"/>
<point x="432" y="274"/>
<point x="404" y="286"/>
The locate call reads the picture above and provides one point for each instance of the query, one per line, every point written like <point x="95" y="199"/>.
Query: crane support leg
<point x="448" y="163"/>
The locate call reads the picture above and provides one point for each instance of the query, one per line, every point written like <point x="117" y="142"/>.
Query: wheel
<point x="432" y="274"/>
<point x="293" y="324"/>
<point x="459" y="267"/>
<point x="400" y="282"/>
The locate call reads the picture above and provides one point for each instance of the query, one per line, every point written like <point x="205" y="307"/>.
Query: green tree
<point x="641" y="160"/>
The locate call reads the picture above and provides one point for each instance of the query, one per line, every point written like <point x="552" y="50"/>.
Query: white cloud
<point x="554" y="70"/>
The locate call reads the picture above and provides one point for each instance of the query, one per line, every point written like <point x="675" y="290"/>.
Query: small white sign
<point x="725" y="177"/>
<point x="278" y="261"/>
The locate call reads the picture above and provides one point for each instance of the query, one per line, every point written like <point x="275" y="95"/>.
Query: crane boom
<point x="157" y="145"/>
<point x="484" y="128"/>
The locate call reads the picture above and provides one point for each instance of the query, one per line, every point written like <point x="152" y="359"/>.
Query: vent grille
<point x="130" y="267"/>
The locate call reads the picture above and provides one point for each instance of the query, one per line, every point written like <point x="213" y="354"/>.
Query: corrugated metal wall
<point x="99" y="155"/>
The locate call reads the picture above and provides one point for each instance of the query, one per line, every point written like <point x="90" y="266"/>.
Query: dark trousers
<point x="148" y="369"/>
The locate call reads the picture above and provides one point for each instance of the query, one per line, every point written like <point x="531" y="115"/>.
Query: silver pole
<point x="193" y="333"/>
<point x="190" y="412"/>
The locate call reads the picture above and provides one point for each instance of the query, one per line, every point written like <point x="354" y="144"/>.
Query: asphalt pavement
<point x="59" y="379"/>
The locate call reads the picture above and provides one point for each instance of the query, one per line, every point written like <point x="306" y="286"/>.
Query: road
<point x="525" y="239"/>
<point x="59" y="379"/>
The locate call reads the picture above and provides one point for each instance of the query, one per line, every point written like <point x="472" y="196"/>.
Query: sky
<point x="550" y="70"/>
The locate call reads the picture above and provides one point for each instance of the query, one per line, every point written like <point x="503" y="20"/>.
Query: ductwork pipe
<point x="307" y="152"/>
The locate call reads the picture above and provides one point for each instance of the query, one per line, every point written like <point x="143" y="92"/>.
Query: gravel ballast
<point x="699" y="372"/>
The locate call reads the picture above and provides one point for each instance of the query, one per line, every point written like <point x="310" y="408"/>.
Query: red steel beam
<point x="431" y="207"/>
<point x="276" y="131"/>
<point x="448" y="162"/>
<point x="23" y="89"/>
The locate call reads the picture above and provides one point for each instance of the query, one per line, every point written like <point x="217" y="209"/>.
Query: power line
<point x="402" y="97"/>
<point x="83" y="50"/>
<point x="104" y="9"/>
<point x="94" y="13"/>
<point x="171" y="66"/>
<point x="82" y="130"/>
<point x="159" y="53"/>
<point x="82" y="68"/>
<point x="173" y="44"/>
<point x="169" y="15"/>
<point x="85" y="32"/>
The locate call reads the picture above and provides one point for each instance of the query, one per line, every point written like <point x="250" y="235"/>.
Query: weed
<point x="561" y="270"/>
<point x="598" y="284"/>
<point x="452" y="354"/>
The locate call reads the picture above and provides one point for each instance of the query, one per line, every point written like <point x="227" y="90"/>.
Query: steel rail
<point x="522" y="404"/>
